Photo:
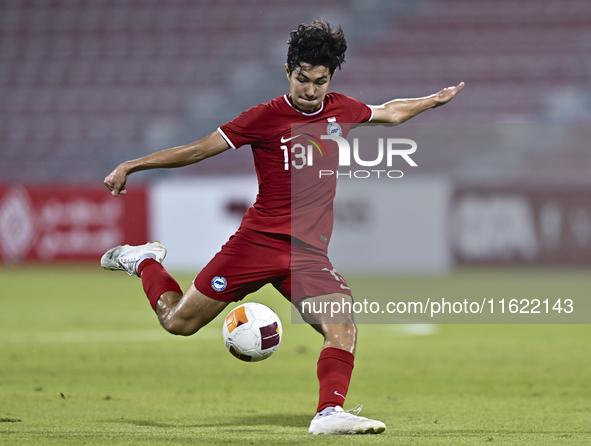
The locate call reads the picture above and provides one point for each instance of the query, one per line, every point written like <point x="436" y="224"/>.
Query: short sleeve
<point x="359" y="112"/>
<point x="245" y="129"/>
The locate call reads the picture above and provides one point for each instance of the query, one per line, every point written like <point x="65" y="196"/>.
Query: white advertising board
<point x="398" y="226"/>
<point x="193" y="218"/>
<point x="392" y="227"/>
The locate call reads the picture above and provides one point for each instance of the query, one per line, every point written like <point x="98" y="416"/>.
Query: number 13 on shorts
<point x="337" y="277"/>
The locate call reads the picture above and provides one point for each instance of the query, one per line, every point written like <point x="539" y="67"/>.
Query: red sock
<point x="156" y="280"/>
<point x="335" y="367"/>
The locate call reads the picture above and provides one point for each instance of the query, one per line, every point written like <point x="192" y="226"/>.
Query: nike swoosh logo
<point x="284" y="140"/>
<point x="337" y="393"/>
<point x="344" y="287"/>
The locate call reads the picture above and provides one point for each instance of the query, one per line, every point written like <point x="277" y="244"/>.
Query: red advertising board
<point x="68" y="222"/>
<point x="521" y="225"/>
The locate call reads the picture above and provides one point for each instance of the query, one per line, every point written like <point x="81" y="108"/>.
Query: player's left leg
<point x="334" y="370"/>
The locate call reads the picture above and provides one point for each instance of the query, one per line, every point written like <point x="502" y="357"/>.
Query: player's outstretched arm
<point x="401" y="110"/>
<point x="176" y="157"/>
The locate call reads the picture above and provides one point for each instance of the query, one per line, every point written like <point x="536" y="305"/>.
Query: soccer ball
<point x="252" y="332"/>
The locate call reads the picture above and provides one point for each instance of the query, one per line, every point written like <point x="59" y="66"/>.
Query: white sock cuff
<point x="141" y="259"/>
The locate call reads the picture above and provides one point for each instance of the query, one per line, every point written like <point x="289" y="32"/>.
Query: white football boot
<point x="342" y="422"/>
<point x="125" y="258"/>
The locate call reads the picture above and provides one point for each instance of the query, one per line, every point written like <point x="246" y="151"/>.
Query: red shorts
<point x="251" y="259"/>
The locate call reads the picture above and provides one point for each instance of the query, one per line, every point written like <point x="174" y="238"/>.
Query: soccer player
<point x="276" y="243"/>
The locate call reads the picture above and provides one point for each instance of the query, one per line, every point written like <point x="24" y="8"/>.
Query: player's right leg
<point x="180" y="314"/>
<point x="185" y="314"/>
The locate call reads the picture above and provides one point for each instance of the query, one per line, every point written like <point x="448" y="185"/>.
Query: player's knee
<point x="180" y="328"/>
<point x="343" y="336"/>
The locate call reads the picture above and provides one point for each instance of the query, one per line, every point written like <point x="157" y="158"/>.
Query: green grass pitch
<point x="83" y="361"/>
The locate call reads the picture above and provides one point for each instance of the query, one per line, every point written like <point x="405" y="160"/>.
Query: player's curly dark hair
<point x="316" y="44"/>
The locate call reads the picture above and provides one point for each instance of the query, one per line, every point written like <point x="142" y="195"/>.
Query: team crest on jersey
<point x="334" y="129"/>
<point x="219" y="283"/>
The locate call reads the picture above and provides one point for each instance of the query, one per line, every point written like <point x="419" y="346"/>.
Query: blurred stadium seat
<point x="83" y="84"/>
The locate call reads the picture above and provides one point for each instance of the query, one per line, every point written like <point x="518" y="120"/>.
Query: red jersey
<point x="293" y="198"/>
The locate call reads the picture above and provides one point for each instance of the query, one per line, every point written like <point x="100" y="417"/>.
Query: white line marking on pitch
<point x="396" y="330"/>
<point x="100" y="336"/>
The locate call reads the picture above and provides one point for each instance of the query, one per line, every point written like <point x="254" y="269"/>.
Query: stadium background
<point x="86" y="84"/>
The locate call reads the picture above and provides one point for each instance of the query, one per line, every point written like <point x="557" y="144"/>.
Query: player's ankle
<point x="326" y="411"/>
<point x="146" y="256"/>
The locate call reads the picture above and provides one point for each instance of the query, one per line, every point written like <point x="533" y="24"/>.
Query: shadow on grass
<point x="284" y="420"/>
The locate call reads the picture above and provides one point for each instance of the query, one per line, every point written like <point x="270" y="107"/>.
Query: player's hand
<point x="447" y="94"/>
<point x="116" y="180"/>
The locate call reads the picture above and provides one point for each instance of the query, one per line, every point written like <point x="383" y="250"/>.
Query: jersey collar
<point x="285" y="96"/>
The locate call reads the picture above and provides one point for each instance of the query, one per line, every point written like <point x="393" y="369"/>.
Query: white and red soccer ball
<point x="252" y="332"/>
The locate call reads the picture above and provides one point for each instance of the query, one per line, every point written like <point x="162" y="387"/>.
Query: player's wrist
<point x="129" y="167"/>
<point x="432" y="101"/>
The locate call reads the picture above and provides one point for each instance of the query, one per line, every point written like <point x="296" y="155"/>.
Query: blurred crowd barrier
<point x="424" y="225"/>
